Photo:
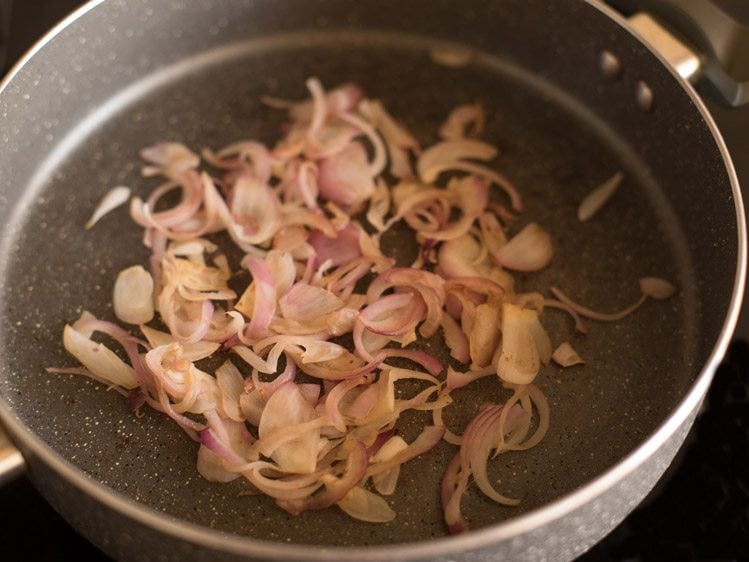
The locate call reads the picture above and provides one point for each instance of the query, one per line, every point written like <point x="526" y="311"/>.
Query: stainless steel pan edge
<point x="544" y="533"/>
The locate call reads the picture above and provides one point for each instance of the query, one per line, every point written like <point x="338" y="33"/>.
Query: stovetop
<point x="699" y="510"/>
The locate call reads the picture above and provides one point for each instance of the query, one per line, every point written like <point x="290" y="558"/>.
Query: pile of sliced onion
<point x="309" y="213"/>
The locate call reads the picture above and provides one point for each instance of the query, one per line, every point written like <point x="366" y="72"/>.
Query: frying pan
<point x="120" y="75"/>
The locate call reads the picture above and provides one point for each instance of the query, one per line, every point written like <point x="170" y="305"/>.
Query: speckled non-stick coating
<point x="553" y="146"/>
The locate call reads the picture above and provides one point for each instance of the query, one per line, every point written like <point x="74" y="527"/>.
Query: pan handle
<point x="716" y="32"/>
<point x="11" y="460"/>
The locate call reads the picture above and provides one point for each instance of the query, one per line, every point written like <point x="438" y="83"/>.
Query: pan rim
<point x="476" y="539"/>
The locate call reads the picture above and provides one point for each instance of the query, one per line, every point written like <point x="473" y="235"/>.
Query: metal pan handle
<point x="716" y="32"/>
<point x="11" y="460"/>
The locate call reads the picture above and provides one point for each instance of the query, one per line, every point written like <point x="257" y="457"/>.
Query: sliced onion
<point x="193" y="193"/>
<point x="307" y="184"/>
<point x="456" y="379"/>
<point x="253" y="359"/>
<point x="489" y="175"/>
<point x="464" y="120"/>
<point x="231" y="385"/>
<point x="256" y="213"/>
<point x="290" y="210"/>
<point x="133" y="295"/>
<point x="293" y="240"/>
<point x="385" y="482"/>
<point x="319" y="107"/>
<point x="478" y="440"/>
<point x="452" y="57"/>
<point x="529" y="396"/>
<point x="363" y="505"/>
<point x="169" y="158"/>
<point x="262" y="295"/>
<point x="594" y="315"/>
<point x="251" y="154"/>
<point x="99" y="359"/>
<point x="335" y="396"/>
<point x="192" y="390"/>
<point x="287" y="488"/>
<point x="455" y="339"/>
<point x="432" y="160"/>
<point x="112" y="199"/>
<point x="428" y="285"/>
<point x="565" y="356"/>
<point x="282" y="270"/>
<point x="339" y="250"/>
<point x="400" y="142"/>
<point x="379" y="206"/>
<point x="345" y="178"/>
<point x="484" y="335"/>
<point x="192" y="352"/>
<point x="341" y="99"/>
<point x="425" y="441"/>
<point x="305" y="303"/>
<point x="335" y="488"/>
<point x="319" y="351"/>
<point x="519" y="361"/>
<point x="360" y="408"/>
<point x="472" y="197"/>
<point x="529" y="250"/>
<point x="477" y="450"/>
<point x="427" y="361"/>
<point x="597" y="198"/>
<point x="288" y="407"/>
<point x="453" y="486"/>
<point x="331" y="140"/>
<point x="392" y="314"/>
<point x="657" y="288"/>
<point x="379" y="158"/>
<point x="211" y="466"/>
<point x="457" y="257"/>
<point x="492" y="234"/>
<point x="579" y="324"/>
<point x="287" y="375"/>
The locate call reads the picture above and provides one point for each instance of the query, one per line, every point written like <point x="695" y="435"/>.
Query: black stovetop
<point x="699" y="511"/>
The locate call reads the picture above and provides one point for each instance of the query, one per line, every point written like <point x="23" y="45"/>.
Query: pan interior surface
<point x="636" y="369"/>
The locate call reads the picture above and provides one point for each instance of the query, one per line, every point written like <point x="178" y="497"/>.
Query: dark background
<point x="699" y="511"/>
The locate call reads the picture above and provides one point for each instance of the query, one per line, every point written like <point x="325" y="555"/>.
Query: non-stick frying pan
<point x="120" y="75"/>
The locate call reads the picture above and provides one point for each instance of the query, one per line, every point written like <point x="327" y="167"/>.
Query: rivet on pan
<point x="644" y="96"/>
<point x="611" y="66"/>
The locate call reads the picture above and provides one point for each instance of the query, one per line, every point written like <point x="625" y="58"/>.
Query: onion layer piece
<point x="320" y="337"/>
<point x="565" y="355"/>
<point x="114" y="198"/>
<point x="597" y="198"/>
<point x="133" y="295"/>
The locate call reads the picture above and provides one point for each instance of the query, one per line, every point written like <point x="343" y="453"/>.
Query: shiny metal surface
<point x="683" y="59"/>
<point x="11" y="460"/>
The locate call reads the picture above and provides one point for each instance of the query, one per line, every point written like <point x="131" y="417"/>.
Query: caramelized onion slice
<point x="565" y="355"/>
<point x="385" y="482"/>
<point x="597" y="198"/>
<point x="287" y="407"/>
<point x="529" y="250"/>
<point x="465" y="120"/>
<point x="345" y="178"/>
<point x="433" y="159"/>
<point x="114" y="198"/>
<point x="99" y="359"/>
<point x="363" y="505"/>
<point x="657" y="288"/>
<point x="524" y="345"/>
<point x="133" y="295"/>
